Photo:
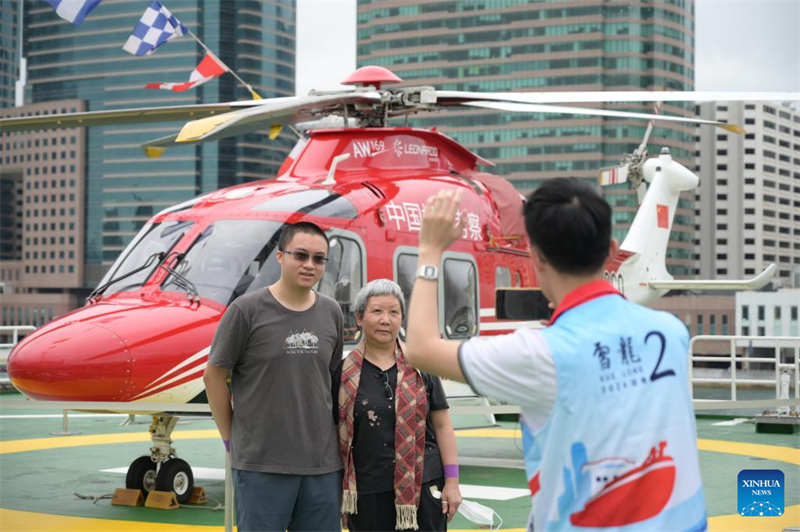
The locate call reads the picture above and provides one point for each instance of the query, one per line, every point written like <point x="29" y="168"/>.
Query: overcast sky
<point x="748" y="45"/>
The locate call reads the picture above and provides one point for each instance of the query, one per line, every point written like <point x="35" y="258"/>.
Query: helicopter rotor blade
<point x="212" y="121"/>
<point x="643" y="146"/>
<point x="641" y="190"/>
<point x="558" y="109"/>
<point x="613" y="175"/>
<point x="299" y="109"/>
<point x="155" y="148"/>
<point x="456" y="97"/>
<point x="639" y="156"/>
<point x="128" y="116"/>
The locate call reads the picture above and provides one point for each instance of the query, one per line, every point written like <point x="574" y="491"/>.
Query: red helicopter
<point x="145" y="332"/>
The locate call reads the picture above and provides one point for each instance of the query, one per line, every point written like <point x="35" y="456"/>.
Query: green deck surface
<point x="46" y="480"/>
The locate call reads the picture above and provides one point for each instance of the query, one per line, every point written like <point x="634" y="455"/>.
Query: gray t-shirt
<point x="281" y="363"/>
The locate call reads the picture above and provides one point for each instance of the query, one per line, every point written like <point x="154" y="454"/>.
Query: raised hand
<point x="439" y="228"/>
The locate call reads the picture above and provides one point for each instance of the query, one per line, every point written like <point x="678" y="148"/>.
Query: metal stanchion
<point x="228" y="494"/>
<point x="65" y="427"/>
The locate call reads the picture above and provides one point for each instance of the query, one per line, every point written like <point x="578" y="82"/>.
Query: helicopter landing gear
<point x="176" y="475"/>
<point x="141" y="475"/>
<point x="162" y="470"/>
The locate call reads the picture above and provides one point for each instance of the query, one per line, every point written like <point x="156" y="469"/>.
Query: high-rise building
<point x="704" y="314"/>
<point x="768" y="314"/>
<point x="9" y="50"/>
<point x="748" y="202"/>
<point x="519" y="45"/>
<point x="123" y="188"/>
<point x="42" y="194"/>
<point x="73" y="199"/>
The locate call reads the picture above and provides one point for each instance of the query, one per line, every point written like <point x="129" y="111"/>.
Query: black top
<point x="373" y="441"/>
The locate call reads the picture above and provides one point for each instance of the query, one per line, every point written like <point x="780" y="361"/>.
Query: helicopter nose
<point x="81" y="362"/>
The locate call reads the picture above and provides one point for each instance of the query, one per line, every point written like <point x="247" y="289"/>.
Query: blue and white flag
<point x="74" y="11"/>
<point x="156" y="27"/>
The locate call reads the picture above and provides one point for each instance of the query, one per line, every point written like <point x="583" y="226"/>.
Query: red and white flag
<point x="209" y="68"/>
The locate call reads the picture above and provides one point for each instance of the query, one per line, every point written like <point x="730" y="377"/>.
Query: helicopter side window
<point x="460" y="298"/>
<point x="406" y="269"/>
<point x="228" y="258"/>
<point x="502" y="277"/>
<point x="343" y="279"/>
<point x="155" y="238"/>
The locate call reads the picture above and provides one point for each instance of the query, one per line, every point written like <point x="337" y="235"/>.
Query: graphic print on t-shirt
<point x="301" y="342"/>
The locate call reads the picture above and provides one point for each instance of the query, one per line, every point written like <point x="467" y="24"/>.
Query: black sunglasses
<point x="302" y="256"/>
<point x="388" y="392"/>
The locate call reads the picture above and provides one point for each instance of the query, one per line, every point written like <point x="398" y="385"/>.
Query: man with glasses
<point x="280" y="346"/>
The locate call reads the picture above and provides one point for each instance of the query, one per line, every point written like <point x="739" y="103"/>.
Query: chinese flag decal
<point x="662" y="211"/>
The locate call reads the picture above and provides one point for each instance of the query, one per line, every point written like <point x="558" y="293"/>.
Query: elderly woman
<point x="393" y="481"/>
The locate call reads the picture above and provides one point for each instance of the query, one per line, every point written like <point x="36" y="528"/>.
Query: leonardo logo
<point x="414" y="148"/>
<point x="761" y="493"/>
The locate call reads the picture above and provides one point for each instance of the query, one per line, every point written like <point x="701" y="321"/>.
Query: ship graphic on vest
<point x="623" y="493"/>
<point x="301" y="342"/>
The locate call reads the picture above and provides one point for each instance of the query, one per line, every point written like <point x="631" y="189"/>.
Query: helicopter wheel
<point x="176" y="475"/>
<point x="141" y="475"/>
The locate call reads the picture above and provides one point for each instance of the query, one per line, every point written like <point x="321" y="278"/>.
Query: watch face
<point x="428" y="272"/>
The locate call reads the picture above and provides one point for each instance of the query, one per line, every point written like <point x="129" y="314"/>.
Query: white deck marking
<point x="730" y="422"/>
<point x="54" y="416"/>
<point x="493" y="493"/>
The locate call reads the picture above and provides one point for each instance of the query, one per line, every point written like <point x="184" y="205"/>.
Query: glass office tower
<point x="124" y="188"/>
<point x="9" y="50"/>
<point x="569" y="45"/>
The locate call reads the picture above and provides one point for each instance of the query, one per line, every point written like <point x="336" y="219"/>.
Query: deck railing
<point x="736" y="360"/>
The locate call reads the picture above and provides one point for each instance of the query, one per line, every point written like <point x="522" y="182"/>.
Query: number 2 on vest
<point x="658" y="374"/>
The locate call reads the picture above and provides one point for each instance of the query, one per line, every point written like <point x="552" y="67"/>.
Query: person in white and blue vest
<point x="609" y="432"/>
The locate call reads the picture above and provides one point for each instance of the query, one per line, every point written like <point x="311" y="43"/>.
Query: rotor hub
<point x="371" y="76"/>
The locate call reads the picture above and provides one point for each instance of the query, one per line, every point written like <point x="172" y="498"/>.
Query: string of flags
<point x="74" y="11"/>
<point x="156" y="27"/>
<point x="209" y="68"/>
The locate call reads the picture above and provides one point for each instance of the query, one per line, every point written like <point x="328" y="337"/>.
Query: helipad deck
<point x="41" y="473"/>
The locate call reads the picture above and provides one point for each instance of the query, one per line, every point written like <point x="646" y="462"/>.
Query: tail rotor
<point x="630" y="168"/>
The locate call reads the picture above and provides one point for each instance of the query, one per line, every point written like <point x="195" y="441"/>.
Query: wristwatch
<point x="428" y="272"/>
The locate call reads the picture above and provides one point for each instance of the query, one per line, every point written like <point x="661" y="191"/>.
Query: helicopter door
<point x="458" y="292"/>
<point x="344" y="276"/>
<point x="405" y="268"/>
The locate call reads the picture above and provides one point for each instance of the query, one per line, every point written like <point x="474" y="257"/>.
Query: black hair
<point x="569" y="224"/>
<point x="300" y="227"/>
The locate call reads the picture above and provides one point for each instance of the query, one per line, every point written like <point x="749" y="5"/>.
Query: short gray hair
<point x="378" y="287"/>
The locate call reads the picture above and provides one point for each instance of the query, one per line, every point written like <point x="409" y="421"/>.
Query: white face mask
<point x="479" y="514"/>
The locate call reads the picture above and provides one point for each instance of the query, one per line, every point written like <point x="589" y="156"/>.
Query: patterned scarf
<point x="411" y="409"/>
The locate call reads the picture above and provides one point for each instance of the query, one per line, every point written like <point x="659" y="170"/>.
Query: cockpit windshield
<point x="152" y="239"/>
<point x="229" y="258"/>
<point x="233" y="257"/>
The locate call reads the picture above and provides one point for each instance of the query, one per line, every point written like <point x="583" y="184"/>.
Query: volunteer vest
<point x="619" y="450"/>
